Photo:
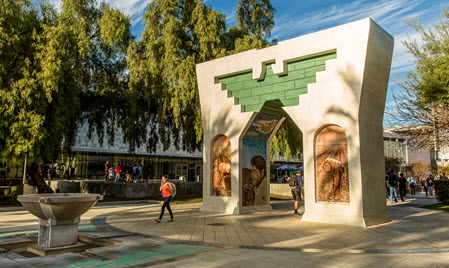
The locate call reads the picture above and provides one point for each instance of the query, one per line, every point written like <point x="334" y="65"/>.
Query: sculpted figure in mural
<point x="255" y="182"/>
<point x="221" y="169"/>
<point x="332" y="165"/>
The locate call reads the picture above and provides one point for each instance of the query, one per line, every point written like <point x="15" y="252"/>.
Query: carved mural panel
<point x="331" y="152"/>
<point x="221" y="167"/>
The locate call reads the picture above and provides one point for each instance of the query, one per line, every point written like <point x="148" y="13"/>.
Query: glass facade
<point x="90" y="165"/>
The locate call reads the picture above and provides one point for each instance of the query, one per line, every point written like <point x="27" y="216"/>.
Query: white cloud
<point x="133" y="8"/>
<point x="390" y="14"/>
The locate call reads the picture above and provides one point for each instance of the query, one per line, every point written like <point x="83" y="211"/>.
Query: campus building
<point x="88" y="158"/>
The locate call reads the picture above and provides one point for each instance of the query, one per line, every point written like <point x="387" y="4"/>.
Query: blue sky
<point x="298" y="17"/>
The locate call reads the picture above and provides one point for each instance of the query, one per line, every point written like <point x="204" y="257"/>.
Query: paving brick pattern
<point x="411" y="229"/>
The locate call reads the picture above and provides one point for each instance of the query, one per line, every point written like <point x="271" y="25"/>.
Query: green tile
<point x="250" y="100"/>
<point x="252" y="108"/>
<point x="313" y="70"/>
<point x="262" y="90"/>
<point x="284" y="86"/>
<point x="290" y="102"/>
<point x="322" y="59"/>
<point x="304" y="82"/>
<point x="240" y="93"/>
<point x="251" y="94"/>
<point x="304" y="64"/>
<point x="290" y="94"/>
<point x="250" y="83"/>
<point x="234" y="86"/>
<point x="295" y="75"/>
<point x="244" y="77"/>
<point x="227" y="80"/>
<point x="273" y="96"/>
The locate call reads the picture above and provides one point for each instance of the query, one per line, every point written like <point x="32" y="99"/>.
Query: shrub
<point x="442" y="191"/>
<point x="9" y="200"/>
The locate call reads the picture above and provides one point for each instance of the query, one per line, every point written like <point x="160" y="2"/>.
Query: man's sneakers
<point x="296" y="213"/>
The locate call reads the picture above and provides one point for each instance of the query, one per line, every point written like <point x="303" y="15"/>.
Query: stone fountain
<point x="59" y="215"/>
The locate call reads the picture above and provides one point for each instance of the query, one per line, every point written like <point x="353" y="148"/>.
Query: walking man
<point x="392" y="185"/>
<point x="412" y="186"/>
<point x="106" y="170"/>
<point x="296" y="183"/>
<point x="429" y="182"/>
<point x="402" y="186"/>
<point x="118" y="170"/>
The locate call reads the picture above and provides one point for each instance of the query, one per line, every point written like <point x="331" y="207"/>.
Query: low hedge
<point x="442" y="191"/>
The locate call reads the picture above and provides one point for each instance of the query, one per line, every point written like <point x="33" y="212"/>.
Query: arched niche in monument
<point x="221" y="166"/>
<point x="331" y="158"/>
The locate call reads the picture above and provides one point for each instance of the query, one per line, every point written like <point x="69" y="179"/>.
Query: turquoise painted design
<point x="252" y="94"/>
<point x="83" y="227"/>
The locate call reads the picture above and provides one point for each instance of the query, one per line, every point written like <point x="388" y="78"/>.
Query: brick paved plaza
<point x="415" y="237"/>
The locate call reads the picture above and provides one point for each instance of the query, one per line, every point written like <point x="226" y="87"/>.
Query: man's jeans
<point x="117" y="177"/>
<point x="393" y="192"/>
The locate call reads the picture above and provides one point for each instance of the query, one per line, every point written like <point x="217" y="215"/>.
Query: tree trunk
<point x="37" y="180"/>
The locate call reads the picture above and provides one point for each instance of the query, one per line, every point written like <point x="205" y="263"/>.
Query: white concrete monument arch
<point x="333" y="85"/>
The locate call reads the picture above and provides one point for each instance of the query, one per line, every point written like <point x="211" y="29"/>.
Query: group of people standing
<point x="128" y="173"/>
<point x="395" y="184"/>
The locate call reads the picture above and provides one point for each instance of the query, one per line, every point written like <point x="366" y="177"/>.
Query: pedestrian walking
<point x="412" y="183"/>
<point x="118" y="171"/>
<point x="429" y="182"/>
<point x="424" y="186"/>
<point x="167" y="189"/>
<point x="392" y="185"/>
<point x="111" y="173"/>
<point x="296" y="184"/>
<point x="106" y="171"/>
<point x="402" y="186"/>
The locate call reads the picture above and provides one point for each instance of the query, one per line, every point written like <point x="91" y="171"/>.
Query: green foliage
<point x="287" y="143"/>
<point x="393" y="163"/>
<point x="9" y="200"/>
<point x="438" y="206"/>
<point x="177" y="36"/>
<point x="442" y="190"/>
<point x="49" y="61"/>
<point x="9" y="196"/>
<point x="60" y="68"/>
<point x="255" y="17"/>
<point x="432" y="60"/>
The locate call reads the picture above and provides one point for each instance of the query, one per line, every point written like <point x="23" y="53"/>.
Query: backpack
<point x="173" y="190"/>
<point x="391" y="181"/>
<point x="293" y="182"/>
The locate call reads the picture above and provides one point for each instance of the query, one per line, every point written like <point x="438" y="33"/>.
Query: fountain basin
<point x="59" y="215"/>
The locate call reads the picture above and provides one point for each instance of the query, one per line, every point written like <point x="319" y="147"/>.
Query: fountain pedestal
<point x="53" y="234"/>
<point x="59" y="216"/>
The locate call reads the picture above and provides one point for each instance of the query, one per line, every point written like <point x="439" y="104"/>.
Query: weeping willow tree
<point x="50" y="61"/>
<point x="62" y="67"/>
<point x="178" y="35"/>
